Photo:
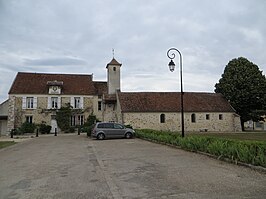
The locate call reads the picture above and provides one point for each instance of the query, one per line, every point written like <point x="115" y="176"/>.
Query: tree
<point x="244" y="86"/>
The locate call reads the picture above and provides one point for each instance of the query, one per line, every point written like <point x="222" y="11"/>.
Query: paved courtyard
<point x="75" y="167"/>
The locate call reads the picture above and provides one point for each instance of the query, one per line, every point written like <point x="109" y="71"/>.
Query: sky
<point x="77" y="37"/>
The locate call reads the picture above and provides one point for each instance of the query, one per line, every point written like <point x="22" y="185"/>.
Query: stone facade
<point x="225" y="122"/>
<point x="42" y="114"/>
<point x="3" y="117"/>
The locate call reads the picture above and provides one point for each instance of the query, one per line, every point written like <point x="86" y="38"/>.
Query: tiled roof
<point x="101" y="87"/>
<point x="170" y="102"/>
<point x="36" y="83"/>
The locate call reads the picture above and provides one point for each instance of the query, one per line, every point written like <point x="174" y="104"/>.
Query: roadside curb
<point x="253" y="167"/>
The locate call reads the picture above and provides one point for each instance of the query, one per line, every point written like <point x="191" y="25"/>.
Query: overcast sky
<point x="77" y="36"/>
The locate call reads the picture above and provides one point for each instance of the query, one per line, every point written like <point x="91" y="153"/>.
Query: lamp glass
<point x="171" y="65"/>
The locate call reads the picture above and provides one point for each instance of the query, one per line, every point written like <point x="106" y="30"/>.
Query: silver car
<point x="103" y="130"/>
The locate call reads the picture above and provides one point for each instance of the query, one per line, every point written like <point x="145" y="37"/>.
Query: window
<point x="54" y="102"/>
<point x="76" y="102"/>
<point x="193" y="118"/>
<point x="114" y="68"/>
<point x="29" y="119"/>
<point x="162" y="118"/>
<point x="76" y="120"/>
<point x="220" y="116"/>
<point x="99" y="105"/>
<point x="72" y="121"/>
<point x="80" y="119"/>
<point x="29" y="102"/>
<point x="207" y="116"/>
<point x="118" y="126"/>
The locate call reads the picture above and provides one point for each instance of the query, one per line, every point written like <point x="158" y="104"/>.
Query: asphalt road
<point x="75" y="167"/>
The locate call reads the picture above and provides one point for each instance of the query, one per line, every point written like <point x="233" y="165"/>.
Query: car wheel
<point x="128" y="135"/>
<point x="100" y="136"/>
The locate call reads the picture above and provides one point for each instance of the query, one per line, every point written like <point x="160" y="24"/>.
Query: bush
<point x="45" y="129"/>
<point x="86" y="129"/>
<point x="72" y="130"/>
<point x="27" y="128"/>
<point x="250" y="152"/>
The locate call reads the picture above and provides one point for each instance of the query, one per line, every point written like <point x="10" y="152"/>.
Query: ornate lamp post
<point x="172" y="68"/>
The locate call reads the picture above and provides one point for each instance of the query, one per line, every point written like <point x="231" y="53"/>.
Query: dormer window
<point x="55" y="87"/>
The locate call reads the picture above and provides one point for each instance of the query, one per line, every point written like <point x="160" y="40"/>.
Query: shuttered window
<point x="29" y="102"/>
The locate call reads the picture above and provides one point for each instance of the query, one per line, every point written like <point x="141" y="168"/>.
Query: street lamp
<point x="172" y="68"/>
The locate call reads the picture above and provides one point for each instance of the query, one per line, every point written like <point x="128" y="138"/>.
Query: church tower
<point x="113" y="73"/>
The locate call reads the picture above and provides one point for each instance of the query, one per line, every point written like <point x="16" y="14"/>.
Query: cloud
<point x="78" y="37"/>
<point x="64" y="61"/>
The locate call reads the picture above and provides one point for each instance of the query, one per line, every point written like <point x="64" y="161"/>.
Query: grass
<point x="4" y="144"/>
<point x="255" y="136"/>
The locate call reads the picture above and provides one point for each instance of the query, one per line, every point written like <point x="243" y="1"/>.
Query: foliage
<point x="129" y="126"/>
<point x="250" y="152"/>
<point x="244" y="86"/>
<point x="62" y="117"/>
<point x="27" y="128"/>
<point x="44" y="129"/>
<point x="15" y="132"/>
<point x="89" y="124"/>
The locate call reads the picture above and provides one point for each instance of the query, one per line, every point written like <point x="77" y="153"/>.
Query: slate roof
<point x="170" y="102"/>
<point x="73" y="84"/>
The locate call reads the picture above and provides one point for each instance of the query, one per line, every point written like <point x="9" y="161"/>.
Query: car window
<point x="118" y="126"/>
<point x="108" y="125"/>
<point x="100" y="126"/>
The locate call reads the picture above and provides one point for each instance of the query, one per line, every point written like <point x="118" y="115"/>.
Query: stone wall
<point x="227" y="122"/>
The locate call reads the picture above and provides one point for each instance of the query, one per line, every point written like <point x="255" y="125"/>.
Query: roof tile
<point x="36" y="83"/>
<point x="171" y="102"/>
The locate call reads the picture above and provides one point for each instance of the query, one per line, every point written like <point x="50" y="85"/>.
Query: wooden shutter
<point x="59" y="103"/>
<point x="34" y="102"/>
<point x="81" y="102"/>
<point x="72" y="102"/>
<point x="24" y="101"/>
<point x="49" y="103"/>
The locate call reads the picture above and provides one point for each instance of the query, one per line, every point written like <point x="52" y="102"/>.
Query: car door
<point x="119" y="130"/>
<point x="108" y="129"/>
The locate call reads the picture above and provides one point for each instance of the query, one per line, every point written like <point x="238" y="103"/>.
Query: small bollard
<point x="55" y="132"/>
<point x="11" y="133"/>
<point x="37" y="133"/>
<point x="78" y="131"/>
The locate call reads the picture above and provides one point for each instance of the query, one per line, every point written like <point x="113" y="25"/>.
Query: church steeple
<point x="113" y="73"/>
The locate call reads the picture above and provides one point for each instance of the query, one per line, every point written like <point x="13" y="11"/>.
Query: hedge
<point x="250" y="152"/>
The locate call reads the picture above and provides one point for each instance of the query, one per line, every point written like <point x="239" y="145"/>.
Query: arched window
<point x="193" y="117"/>
<point x="162" y="118"/>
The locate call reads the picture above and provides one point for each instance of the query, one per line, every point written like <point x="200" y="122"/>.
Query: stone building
<point x="35" y="98"/>
<point x="3" y="117"/>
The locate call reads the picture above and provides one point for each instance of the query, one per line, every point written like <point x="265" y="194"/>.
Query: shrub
<point x="45" y="129"/>
<point x="72" y="129"/>
<point x="27" y="128"/>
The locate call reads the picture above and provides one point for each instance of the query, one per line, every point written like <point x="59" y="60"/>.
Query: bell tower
<point x="113" y="73"/>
